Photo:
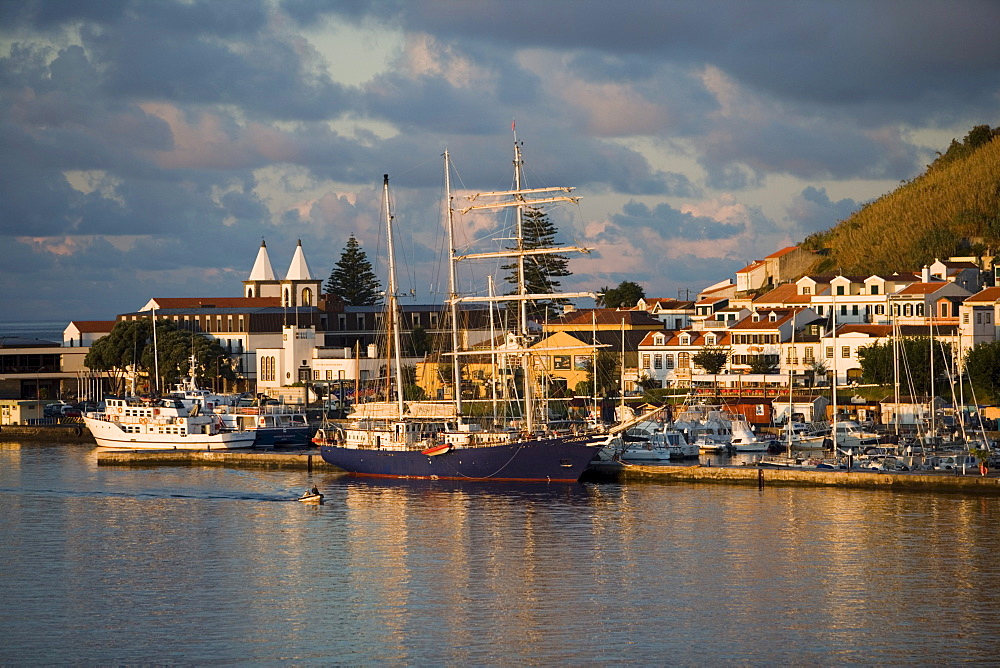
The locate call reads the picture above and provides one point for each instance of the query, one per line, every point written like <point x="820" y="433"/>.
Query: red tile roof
<point x="218" y="302"/>
<point x="987" y="295"/>
<point x="783" y="251"/>
<point x="922" y="288"/>
<point x="92" y="326"/>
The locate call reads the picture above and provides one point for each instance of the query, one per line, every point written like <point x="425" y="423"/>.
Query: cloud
<point x="150" y="145"/>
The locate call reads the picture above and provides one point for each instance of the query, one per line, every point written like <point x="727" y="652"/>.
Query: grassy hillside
<point x="952" y="209"/>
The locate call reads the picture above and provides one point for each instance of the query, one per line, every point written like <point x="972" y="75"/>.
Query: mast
<point x="791" y="379"/>
<point x="623" y="371"/>
<point x="895" y="367"/>
<point x="156" y="356"/>
<point x="493" y="352"/>
<point x="453" y="290"/>
<point x="833" y="363"/>
<point x="519" y="198"/>
<point x="393" y="304"/>
<point x="522" y="290"/>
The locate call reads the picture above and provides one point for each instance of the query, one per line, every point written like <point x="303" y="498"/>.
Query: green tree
<point x="608" y="373"/>
<point x="129" y="348"/>
<point x="540" y="270"/>
<point x="982" y="363"/>
<point x="627" y="294"/>
<point x="353" y="279"/>
<point x="877" y="365"/>
<point x="763" y="363"/>
<point x="419" y="342"/>
<point x="711" y="359"/>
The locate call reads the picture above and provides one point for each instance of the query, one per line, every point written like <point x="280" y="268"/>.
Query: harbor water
<point x="208" y="565"/>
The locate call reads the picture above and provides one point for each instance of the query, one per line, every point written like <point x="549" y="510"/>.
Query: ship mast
<point x="393" y="303"/>
<point x="520" y="198"/>
<point x="453" y="288"/>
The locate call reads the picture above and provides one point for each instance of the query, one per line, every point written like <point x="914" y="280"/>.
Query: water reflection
<point x="192" y="565"/>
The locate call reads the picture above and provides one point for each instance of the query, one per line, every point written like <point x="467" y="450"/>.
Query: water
<point x="47" y="330"/>
<point x="103" y="565"/>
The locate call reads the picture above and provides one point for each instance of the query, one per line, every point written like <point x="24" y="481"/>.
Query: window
<point x="685" y="340"/>
<point x="965" y="319"/>
<point x="316" y="374"/>
<point x="683" y="360"/>
<point x="840" y="289"/>
<point x="908" y="309"/>
<point x="657" y="361"/>
<point x="944" y="309"/>
<point x="658" y="340"/>
<point x="874" y="290"/>
<point x="809" y="354"/>
<point x="329" y="374"/>
<point x="806" y="290"/>
<point x="843" y="309"/>
<point x="710" y="340"/>
<point x="434" y="320"/>
<point x="979" y="318"/>
<point x="854" y="309"/>
<point x="920" y="309"/>
<point x="987" y="319"/>
<point x="845" y="351"/>
<point x="669" y="359"/>
<point x="879" y="309"/>
<point x="645" y="360"/>
<point x="829" y="352"/>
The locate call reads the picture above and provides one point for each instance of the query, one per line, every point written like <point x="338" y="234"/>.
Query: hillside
<point x="951" y="209"/>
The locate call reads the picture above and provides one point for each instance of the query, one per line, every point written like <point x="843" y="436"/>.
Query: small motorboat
<point x="311" y="497"/>
<point x="442" y="449"/>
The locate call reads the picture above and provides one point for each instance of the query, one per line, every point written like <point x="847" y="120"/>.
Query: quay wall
<point x="308" y="459"/>
<point x="750" y="475"/>
<point x="74" y="433"/>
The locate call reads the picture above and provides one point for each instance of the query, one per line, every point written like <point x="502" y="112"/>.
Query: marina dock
<point x="309" y="459"/>
<point x="970" y="482"/>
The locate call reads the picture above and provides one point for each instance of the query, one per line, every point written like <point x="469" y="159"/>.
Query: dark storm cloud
<point x="812" y="210"/>
<point x="884" y="60"/>
<point x="670" y="223"/>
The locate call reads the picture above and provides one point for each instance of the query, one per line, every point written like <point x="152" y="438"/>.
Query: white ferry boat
<point x="161" y="424"/>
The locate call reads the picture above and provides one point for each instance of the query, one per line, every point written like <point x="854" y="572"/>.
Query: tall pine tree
<point x="540" y="270"/>
<point x="352" y="279"/>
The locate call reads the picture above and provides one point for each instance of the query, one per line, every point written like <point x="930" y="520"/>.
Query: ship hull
<point x="111" y="436"/>
<point x="562" y="459"/>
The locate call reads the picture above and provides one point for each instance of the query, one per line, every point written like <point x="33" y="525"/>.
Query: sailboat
<point x="401" y="439"/>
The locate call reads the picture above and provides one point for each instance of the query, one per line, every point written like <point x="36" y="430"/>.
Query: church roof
<point x="298" y="270"/>
<point x="262" y="266"/>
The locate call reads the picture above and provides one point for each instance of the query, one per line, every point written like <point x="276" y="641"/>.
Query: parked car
<point x="71" y="412"/>
<point x="54" y="410"/>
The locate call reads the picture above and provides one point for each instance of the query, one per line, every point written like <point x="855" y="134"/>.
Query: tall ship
<point x="418" y="439"/>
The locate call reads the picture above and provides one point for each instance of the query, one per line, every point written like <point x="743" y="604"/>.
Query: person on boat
<point x="314" y="491"/>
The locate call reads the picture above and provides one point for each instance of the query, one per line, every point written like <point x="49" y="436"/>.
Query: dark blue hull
<point x="562" y="459"/>
<point x="283" y="436"/>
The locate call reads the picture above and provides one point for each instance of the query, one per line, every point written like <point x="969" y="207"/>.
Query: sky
<point x="148" y="146"/>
